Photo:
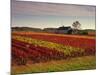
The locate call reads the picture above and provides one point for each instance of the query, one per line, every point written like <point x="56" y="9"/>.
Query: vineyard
<point x="32" y="48"/>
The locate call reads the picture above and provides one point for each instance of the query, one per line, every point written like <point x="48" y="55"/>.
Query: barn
<point x="64" y="30"/>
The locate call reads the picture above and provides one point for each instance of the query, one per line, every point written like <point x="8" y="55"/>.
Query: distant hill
<point x="50" y="30"/>
<point x="26" y="29"/>
<point x="87" y="32"/>
<point x="60" y="30"/>
<point x="90" y="29"/>
<point x="33" y="29"/>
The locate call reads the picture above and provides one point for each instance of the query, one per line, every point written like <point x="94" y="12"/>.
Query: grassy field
<point x="77" y="63"/>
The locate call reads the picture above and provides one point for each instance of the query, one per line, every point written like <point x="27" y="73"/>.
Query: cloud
<point x="38" y="8"/>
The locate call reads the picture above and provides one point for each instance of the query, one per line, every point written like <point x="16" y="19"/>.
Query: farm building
<point x="64" y="30"/>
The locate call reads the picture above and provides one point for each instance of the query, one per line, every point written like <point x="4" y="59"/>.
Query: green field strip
<point x="77" y="63"/>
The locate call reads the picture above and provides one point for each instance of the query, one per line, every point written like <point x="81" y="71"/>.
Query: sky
<point x="53" y="15"/>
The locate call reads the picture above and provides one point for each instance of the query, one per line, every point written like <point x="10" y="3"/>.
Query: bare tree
<point x="76" y="26"/>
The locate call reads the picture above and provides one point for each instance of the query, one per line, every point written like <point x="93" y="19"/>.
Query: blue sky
<point x="43" y="15"/>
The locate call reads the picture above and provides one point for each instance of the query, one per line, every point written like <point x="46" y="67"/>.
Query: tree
<point x="76" y="26"/>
